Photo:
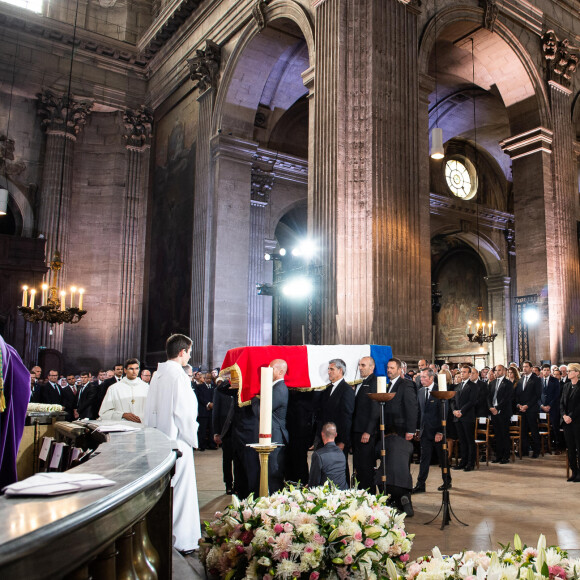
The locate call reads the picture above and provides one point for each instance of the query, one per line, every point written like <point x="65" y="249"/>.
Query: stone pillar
<point x="63" y="118"/>
<point x="536" y="237"/>
<point x="138" y="143"/>
<point x="262" y="182"/>
<point x="227" y="303"/>
<point x="499" y="309"/>
<point x="366" y="179"/>
<point x="204" y="69"/>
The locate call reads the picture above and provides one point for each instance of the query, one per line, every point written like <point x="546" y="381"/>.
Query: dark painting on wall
<point x="171" y="242"/>
<point x="461" y="278"/>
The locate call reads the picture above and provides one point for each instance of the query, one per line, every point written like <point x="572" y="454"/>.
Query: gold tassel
<point x="2" y="399"/>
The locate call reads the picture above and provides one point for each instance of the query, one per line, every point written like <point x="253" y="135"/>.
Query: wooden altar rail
<point x="102" y="533"/>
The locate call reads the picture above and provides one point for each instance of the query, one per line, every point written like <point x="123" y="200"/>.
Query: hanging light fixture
<point x="482" y="331"/>
<point x="50" y="303"/>
<point x="437" y="151"/>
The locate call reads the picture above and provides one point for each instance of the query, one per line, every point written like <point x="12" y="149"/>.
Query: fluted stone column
<point x="366" y="181"/>
<point x="204" y="69"/>
<point x="138" y="143"/>
<point x="62" y="121"/>
<point x="499" y="309"/>
<point x="262" y="182"/>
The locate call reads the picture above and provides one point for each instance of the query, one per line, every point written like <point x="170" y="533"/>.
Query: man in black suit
<point x="104" y="386"/>
<point x="279" y="431"/>
<point x="50" y="392"/>
<point x="430" y="431"/>
<point x="402" y="411"/>
<point x="328" y="462"/>
<point x="463" y="405"/>
<point x="337" y="406"/>
<point x="481" y="406"/>
<point x="500" y="399"/>
<point x="85" y="406"/>
<point x="528" y="396"/>
<point x="300" y="423"/>
<point x="204" y="392"/>
<point x="223" y="413"/>
<point x="550" y="401"/>
<point x="365" y="425"/>
<point x="69" y="396"/>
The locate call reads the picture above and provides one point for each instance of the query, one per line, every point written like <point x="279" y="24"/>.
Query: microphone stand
<point x="382" y="398"/>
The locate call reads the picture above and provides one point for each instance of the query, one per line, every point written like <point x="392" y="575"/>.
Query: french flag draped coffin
<point x="307" y="365"/>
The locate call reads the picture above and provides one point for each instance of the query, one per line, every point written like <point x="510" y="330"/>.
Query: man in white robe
<point x="126" y="399"/>
<point x="172" y="408"/>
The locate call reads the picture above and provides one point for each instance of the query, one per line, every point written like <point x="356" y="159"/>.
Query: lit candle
<point x="442" y="381"/>
<point x="469" y="327"/>
<point x="493" y="327"/>
<point x="81" y="292"/>
<point x="62" y="300"/>
<point x="489" y="328"/>
<point x="32" y="294"/>
<point x="24" y="295"/>
<point x="44" y="293"/>
<point x="477" y="326"/>
<point x="73" y="290"/>
<point x="381" y="384"/>
<point x="267" y="377"/>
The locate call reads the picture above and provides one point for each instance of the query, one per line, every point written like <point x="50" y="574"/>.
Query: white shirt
<point x="393" y="384"/>
<point x="123" y="397"/>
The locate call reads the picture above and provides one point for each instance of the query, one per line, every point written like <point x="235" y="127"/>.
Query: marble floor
<point x="530" y="496"/>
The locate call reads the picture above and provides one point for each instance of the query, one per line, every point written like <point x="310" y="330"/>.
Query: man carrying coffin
<point x="172" y="408"/>
<point x="126" y="399"/>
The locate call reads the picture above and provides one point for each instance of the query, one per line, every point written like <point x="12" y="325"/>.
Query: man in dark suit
<point x="481" y="406"/>
<point x="463" y="405"/>
<point x="85" y="406"/>
<point x="430" y="431"/>
<point x="300" y="423"/>
<point x="223" y="413"/>
<point x="50" y="392"/>
<point x="328" y="462"/>
<point x="528" y="396"/>
<point x="69" y="396"/>
<point x="365" y="425"/>
<point x="550" y="401"/>
<point x="279" y="431"/>
<point x="337" y="406"/>
<point x="104" y="386"/>
<point x="500" y="398"/>
<point x="204" y="392"/>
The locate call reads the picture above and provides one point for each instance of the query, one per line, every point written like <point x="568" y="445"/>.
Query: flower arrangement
<point x="307" y="534"/>
<point x="521" y="562"/>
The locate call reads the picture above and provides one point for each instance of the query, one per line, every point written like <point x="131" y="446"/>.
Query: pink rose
<point x="283" y="555"/>
<point x="358" y="536"/>
<point x="240" y="549"/>
<point x="348" y="560"/>
<point x="288" y="527"/>
<point x="404" y="557"/>
<point x="557" y="572"/>
<point x="308" y="549"/>
<point x="344" y="541"/>
<point x="278" y="528"/>
<point x="369" y="542"/>
<point x="314" y="575"/>
<point x="319" y="539"/>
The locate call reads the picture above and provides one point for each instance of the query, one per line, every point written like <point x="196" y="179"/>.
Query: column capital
<point x="561" y="58"/>
<point x="138" y="124"/>
<point x="204" y="66"/>
<point x="261" y="185"/>
<point x="63" y="114"/>
<point x="533" y="141"/>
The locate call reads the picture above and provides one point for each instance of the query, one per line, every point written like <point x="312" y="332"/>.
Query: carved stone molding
<point x="561" y="58"/>
<point x="204" y="67"/>
<point x="138" y="124"/>
<point x="63" y="114"/>
<point x="262" y="183"/>
<point x="491" y="13"/>
<point x="7" y="164"/>
<point x="259" y="13"/>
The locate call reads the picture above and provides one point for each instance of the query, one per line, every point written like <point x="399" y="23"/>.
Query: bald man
<point x="279" y="432"/>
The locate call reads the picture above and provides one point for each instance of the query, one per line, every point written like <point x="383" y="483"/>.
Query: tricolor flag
<point x="307" y="365"/>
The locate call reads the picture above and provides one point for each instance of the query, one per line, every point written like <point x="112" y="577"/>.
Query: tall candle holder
<point x="383" y="398"/>
<point x="444" y="397"/>
<point x="264" y="450"/>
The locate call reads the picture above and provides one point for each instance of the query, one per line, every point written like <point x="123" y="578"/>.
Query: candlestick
<point x="442" y="381"/>
<point x="73" y="290"/>
<point x="63" y="300"/>
<point x="267" y="377"/>
<point x="381" y="384"/>
<point x="32" y="294"/>
<point x="24" y="295"/>
<point x="81" y="292"/>
<point x="44" y="293"/>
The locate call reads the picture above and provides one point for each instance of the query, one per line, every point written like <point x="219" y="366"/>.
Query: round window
<point x="461" y="178"/>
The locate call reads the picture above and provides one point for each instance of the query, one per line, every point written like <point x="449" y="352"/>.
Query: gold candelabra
<point x="484" y="332"/>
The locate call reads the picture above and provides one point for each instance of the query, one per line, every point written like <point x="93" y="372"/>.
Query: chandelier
<point x="51" y="305"/>
<point x="484" y="332"/>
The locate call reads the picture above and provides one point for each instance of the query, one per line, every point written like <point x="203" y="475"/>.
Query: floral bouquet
<point x="520" y="562"/>
<point x="308" y="534"/>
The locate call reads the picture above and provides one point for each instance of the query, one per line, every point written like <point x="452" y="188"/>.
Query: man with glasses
<point x="500" y="396"/>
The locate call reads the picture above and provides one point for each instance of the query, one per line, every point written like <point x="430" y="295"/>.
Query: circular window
<point x="461" y="178"/>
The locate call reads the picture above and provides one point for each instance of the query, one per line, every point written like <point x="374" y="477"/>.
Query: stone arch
<point x="22" y="210"/>
<point x="520" y="58"/>
<point x="276" y="10"/>
<point x="283" y="210"/>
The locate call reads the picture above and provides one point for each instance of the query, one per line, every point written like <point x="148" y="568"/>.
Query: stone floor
<point x="530" y="496"/>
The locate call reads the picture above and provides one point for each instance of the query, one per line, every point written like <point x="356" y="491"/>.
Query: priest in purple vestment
<point x="14" y="398"/>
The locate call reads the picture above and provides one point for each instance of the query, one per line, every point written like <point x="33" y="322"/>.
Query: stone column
<point x="499" y="309"/>
<point x="63" y="117"/>
<point x="204" y="69"/>
<point x="366" y="179"/>
<point x="138" y="143"/>
<point x="262" y="182"/>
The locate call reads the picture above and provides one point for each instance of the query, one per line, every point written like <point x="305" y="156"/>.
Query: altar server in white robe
<point x="126" y="398"/>
<point x="172" y="408"/>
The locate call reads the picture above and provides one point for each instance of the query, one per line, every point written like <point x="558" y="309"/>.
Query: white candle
<point x="267" y="377"/>
<point x="442" y="381"/>
<point x="24" y="295"/>
<point x="493" y="327"/>
<point x="63" y="300"/>
<point x="381" y="384"/>
<point x="72" y="296"/>
<point x="32" y="293"/>
<point x="44" y="293"/>
<point x="81" y="292"/>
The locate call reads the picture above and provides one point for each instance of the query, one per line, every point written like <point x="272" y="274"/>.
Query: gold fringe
<point x="2" y="398"/>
